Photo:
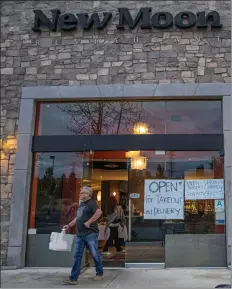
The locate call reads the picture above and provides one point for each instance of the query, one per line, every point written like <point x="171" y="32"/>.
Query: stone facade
<point x="101" y="57"/>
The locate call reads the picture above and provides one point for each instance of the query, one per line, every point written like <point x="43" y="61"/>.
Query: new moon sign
<point x="164" y="199"/>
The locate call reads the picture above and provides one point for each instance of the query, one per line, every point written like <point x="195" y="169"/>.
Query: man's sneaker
<point x="70" y="282"/>
<point x="98" y="278"/>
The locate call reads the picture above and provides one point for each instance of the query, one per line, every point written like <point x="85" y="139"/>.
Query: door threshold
<point x="145" y="265"/>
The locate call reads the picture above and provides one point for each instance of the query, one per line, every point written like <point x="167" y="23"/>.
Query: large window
<point x="200" y="216"/>
<point x="58" y="177"/>
<point x="122" y="164"/>
<point x="114" y="118"/>
<point x="57" y="180"/>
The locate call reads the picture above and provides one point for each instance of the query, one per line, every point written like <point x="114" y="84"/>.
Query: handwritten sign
<point x="204" y="189"/>
<point x="164" y="199"/>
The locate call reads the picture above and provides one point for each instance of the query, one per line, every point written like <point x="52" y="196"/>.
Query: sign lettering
<point x="219" y="205"/>
<point x="204" y="189"/>
<point x="159" y="20"/>
<point x="164" y="199"/>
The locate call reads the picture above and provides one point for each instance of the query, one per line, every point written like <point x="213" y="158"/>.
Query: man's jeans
<point x="90" y="241"/>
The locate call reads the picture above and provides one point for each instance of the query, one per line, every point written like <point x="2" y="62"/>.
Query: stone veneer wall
<point x="93" y="57"/>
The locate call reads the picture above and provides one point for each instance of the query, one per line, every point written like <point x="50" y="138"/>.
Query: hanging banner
<point x="164" y="199"/>
<point x="210" y="189"/>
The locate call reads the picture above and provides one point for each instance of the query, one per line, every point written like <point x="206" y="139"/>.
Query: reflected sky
<point x="180" y="117"/>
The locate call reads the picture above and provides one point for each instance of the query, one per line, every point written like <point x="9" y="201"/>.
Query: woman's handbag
<point x="122" y="233"/>
<point x="103" y="233"/>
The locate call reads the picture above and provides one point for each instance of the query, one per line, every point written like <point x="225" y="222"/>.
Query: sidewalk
<point x="118" y="278"/>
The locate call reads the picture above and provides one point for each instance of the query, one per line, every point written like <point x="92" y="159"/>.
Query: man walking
<point x="87" y="235"/>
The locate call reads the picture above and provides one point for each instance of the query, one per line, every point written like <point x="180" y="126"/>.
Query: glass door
<point x="145" y="236"/>
<point x="107" y="174"/>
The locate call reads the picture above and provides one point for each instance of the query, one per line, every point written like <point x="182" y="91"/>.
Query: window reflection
<point x="58" y="177"/>
<point x="97" y="118"/>
<point x="200" y="215"/>
<point x="55" y="190"/>
<point x="190" y="117"/>
<point x="110" y="118"/>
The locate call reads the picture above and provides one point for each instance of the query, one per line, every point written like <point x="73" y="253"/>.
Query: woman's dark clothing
<point x="113" y="222"/>
<point x="113" y="238"/>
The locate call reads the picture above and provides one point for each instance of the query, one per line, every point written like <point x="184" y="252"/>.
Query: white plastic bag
<point x="61" y="242"/>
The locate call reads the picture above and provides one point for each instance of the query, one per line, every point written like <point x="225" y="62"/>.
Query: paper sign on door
<point x="164" y="199"/>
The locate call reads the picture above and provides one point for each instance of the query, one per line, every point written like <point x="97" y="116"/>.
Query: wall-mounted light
<point x="140" y="128"/>
<point x="8" y="144"/>
<point x="114" y="194"/>
<point x="3" y="155"/>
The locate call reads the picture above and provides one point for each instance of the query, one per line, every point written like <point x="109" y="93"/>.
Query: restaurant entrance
<point x="121" y="175"/>
<point x="122" y="150"/>
<point x="125" y="175"/>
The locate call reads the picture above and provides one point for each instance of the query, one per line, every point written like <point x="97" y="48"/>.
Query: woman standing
<point x="115" y="218"/>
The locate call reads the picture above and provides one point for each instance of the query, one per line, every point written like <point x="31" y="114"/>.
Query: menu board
<point x="204" y="189"/>
<point x="164" y="199"/>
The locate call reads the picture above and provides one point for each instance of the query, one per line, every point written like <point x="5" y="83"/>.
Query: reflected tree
<point x="160" y="171"/>
<point x="217" y="165"/>
<point x="48" y="187"/>
<point x="100" y="118"/>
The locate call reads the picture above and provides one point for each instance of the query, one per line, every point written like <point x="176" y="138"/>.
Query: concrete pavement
<point x="118" y="278"/>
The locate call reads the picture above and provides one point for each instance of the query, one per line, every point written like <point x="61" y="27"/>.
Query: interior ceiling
<point x="102" y="175"/>
<point x="122" y="175"/>
<point x="160" y="159"/>
<point x="120" y="156"/>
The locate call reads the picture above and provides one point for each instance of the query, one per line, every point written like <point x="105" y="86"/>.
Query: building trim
<point x="23" y="168"/>
<point x="167" y="142"/>
<point x="227" y="128"/>
<point x="178" y="90"/>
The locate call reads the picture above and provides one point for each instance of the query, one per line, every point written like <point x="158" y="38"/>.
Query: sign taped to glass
<point x="164" y="199"/>
<point x="204" y="189"/>
<point x="219" y="206"/>
<point x="220" y="218"/>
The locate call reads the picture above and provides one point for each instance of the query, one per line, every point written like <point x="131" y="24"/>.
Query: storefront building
<point x="131" y="99"/>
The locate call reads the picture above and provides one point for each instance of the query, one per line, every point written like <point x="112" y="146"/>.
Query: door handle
<point x="129" y="221"/>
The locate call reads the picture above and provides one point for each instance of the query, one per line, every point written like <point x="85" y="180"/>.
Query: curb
<point x="11" y="268"/>
<point x="3" y="268"/>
